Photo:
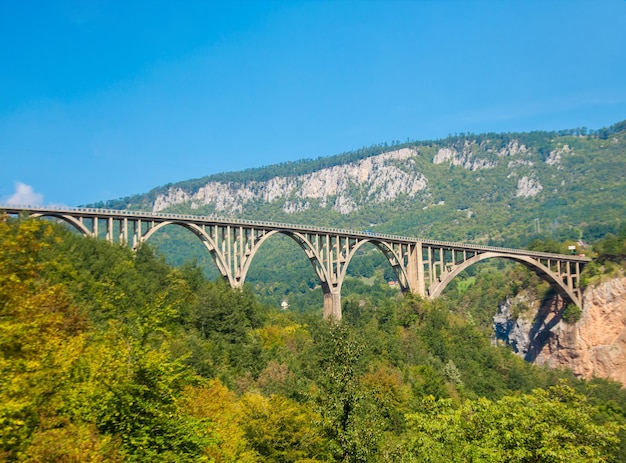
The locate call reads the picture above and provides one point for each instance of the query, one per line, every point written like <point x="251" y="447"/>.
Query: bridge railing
<point x="214" y="219"/>
<point x="198" y="218"/>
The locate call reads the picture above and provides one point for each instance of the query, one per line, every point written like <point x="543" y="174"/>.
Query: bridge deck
<point x="215" y="220"/>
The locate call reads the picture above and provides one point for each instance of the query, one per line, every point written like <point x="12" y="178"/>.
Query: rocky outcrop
<point x="464" y="158"/>
<point x="527" y="187"/>
<point x="474" y="156"/>
<point x="594" y="346"/>
<point x="344" y="187"/>
<point x="555" y="155"/>
<point x="377" y="179"/>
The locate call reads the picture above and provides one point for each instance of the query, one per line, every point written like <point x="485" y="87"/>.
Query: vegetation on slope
<point x="109" y="356"/>
<point x="583" y="198"/>
<point x="582" y="195"/>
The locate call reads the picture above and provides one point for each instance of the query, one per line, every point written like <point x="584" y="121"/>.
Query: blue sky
<point x="104" y="99"/>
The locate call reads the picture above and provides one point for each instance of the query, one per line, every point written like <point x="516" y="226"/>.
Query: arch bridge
<point x="424" y="267"/>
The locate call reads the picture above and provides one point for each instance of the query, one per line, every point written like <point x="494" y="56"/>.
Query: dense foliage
<point x="110" y="356"/>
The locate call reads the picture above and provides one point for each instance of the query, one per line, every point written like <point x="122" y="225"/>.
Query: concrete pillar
<point x="109" y="233"/>
<point x="431" y="267"/>
<point x="136" y="233"/>
<point x="124" y="231"/>
<point x="332" y="304"/>
<point x="415" y="271"/>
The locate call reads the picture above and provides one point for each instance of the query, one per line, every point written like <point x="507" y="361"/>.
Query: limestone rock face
<point x="464" y="158"/>
<point x="594" y="346"/>
<point x="376" y="179"/>
<point x="394" y="176"/>
<point x="527" y="187"/>
<point x="468" y="154"/>
<point x="514" y="332"/>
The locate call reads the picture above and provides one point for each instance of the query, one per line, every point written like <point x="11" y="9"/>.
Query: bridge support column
<point x="415" y="271"/>
<point x="332" y="304"/>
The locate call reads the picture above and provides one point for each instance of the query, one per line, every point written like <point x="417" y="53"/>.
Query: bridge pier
<point x="332" y="305"/>
<point x="415" y="271"/>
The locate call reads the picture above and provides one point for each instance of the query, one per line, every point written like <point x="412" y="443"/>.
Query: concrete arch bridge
<point x="424" y="267"/>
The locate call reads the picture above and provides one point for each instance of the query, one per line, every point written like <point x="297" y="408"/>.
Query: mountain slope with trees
<point x="109" y="356"/>
<point x="509" y="189"/>
<point x="491" y="188"/>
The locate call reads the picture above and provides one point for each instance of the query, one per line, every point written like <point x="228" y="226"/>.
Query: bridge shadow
<point x="547" y="317"/>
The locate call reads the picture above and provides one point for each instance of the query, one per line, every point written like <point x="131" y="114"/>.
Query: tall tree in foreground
<point x="349" y="418"/>
<point x="42" y="336"/>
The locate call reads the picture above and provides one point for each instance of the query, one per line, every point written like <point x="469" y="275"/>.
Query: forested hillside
<point x="109" y="356"/>
<point x="491" y="188"/>
<point x="509" y="189"/>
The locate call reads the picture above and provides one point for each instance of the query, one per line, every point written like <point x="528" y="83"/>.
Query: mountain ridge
<point x="489" y="188"/>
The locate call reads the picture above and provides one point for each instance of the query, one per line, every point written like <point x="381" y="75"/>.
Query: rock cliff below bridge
<point x="594" y="346"/>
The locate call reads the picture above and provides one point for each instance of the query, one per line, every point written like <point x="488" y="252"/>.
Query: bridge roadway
<point x="424" y="267"/>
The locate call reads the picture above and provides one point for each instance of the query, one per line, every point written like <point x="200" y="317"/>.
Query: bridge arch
<point x="73" y="221"/>
<point x="314" y="252"/>
<point x="224" y="265"/>
<point x="543" y="271"/>
<point x="330" y="261"/>
<point x="308" y="248"/>
<point x="206" y="240"/>
<point x="393" y="258"/>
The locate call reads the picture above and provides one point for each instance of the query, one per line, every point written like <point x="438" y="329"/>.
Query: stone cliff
<point x="346" y="188"/>
<point x="377" y="179"/>
<point x="594" y="346"/>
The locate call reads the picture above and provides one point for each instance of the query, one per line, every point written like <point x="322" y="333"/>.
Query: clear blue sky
<point x="105" y="99"/>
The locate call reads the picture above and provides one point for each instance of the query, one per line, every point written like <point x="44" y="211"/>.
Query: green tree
<point x="133" y="392"/>
<point x="349" y="419"/>
<point x="216" y="404"/>
<point x="42" y="335"/>
<point x="553" y="425"/>
<point x="282" y="430"/>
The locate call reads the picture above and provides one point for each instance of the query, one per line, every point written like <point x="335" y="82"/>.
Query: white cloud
<point x="25" y="195"/>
